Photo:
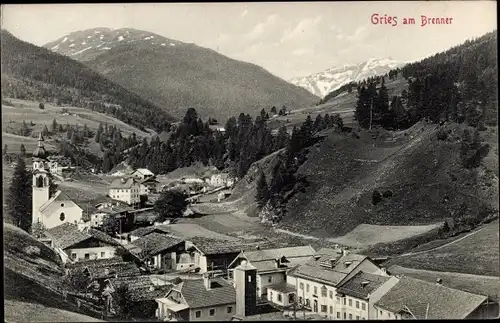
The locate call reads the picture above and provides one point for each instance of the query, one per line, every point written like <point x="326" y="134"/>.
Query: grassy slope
<point x="25" y="110"/>
<point x="344" y="171"/>
<point x="32" y="280"/>
<point x="476" y="254"/>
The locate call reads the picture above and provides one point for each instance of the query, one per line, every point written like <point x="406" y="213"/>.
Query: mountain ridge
<point x="177" y="75"/>
<point x="322" y="83"/>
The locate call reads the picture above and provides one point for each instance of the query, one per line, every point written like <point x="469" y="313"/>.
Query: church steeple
<point x="40" y="152"/>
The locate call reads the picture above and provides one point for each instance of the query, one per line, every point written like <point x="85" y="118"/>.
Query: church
<point x="49" y="211"/>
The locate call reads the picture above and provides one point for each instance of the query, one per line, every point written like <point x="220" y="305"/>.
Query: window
<point x="229" y="309"/>
<point x="331" y="294"/>
<point x="357" y="304"/>
<point x="324" y="309"/>
<point x="300" y="299"/>
<point x="315" y="290"/>
<point x="73" y="255"/>
<point x="363" y="306"/>
<point x="62" y="204"/>
<point x="308" y="302"/>
<point x="279" y="298"/>
<point x="271" y="295"/>
<point x="197" y="314"/>
<point x="270" y="279"/>
<point x="307" y="288"/>
<point x="338" y="315"/>
<point x="331" y="309"/>
<point x="301" y="285"/>
<point x="350" y="316"/>
<point x="345" y="316"/>
<point x="62" y="216"/>
<point x="87" y="256"/>
<point x="103" y="254"/>
<point x="389" y="314"/>
<point x="249" y="279"/>
<point x="338" y="300"/>
<point x="357" y="317"/>
<point x="380" y="312"/>
<point x="350" y="302"/>
<point x="324" y="291"/>
<point x="211" y="312"/>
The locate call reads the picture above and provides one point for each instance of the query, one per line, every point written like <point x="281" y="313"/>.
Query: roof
<point x="59" y="196"/>
<point x="215" y="246"/>
<point x="148" y="180"/>
<point x="362" y="285"/>
<point x="140" y="232"/>
<point x="443" y="302"/>
<point x="67" y="235"/>
<point x="152" y="244"/>
<point x="197" y="296"/>
<point x="272" y="254"/>
<point x="123" y="183"/>
<point x="144" y="171"/>
<point x="148" y="293"/>
<point x="283" y="287"/>
<point x="110" y="268"/>
<point x="171" y="305"/>
<point x="343" y="266"/>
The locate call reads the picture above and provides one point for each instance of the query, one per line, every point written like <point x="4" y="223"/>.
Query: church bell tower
<point x="41" y="181"/>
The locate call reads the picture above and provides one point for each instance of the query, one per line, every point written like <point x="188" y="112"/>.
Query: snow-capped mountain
<point x="327" y="81"/>
<point x="87" y="44"/>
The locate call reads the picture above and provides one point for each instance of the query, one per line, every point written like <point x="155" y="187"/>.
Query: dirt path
<point x="400" y="269"/>
<point x="442" y="246"/>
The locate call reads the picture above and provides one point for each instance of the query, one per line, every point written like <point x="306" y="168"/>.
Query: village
<point x="169" y="277"/>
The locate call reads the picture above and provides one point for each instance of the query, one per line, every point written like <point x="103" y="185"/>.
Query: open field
<point x="484" y="285"/>
<point x="189" y="230"/>
<point x="476" y="254"/>
<point x="83" y="191"/>
<point x="14" y="142"/>
<point x="25" y="110"/>
<point x="367" y="234"/>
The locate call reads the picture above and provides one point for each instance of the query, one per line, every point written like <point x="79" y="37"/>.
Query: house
<point x="100" y="269"/>
<point x="413" y="298"/>
<point x="149" y="185"/>
<point x="316" y="281"/>
<point x="359" y="294"/>
<point x="212" y="254"/>
<point x="126" y="190"/>
<point x="220" y="180"/>
<point x="142" y="173"/>
<point x="158" y="251"/>
<point x="79" y="242"/>
<point x="109" y="210"/>
<point x="191" y="180"/>
<point x="207" y="299"/>
<point x="272" y="264"/>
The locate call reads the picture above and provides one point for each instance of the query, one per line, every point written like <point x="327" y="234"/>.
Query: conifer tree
<point x="19" y="196"/>
<point x="45" y="130"/>
<point x="23" y="151"/>
<point x="54" y="126"/>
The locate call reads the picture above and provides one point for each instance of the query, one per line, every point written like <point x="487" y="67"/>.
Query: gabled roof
<point x="362" y="285"/>
<point x="59" y="196"/>
<point x="429" y="300"/>
<point x="152" y="244"/>
<point x="123" y="183"/>
<point x="144" y="171"/>
<point x="67" y="235"/>
<point x="313" y="270"/>
<point x="114" y="267"/>
<point x="148" y="180"/>
<point x="215" y="246"/>
<point x="272" y="254"/>
<point x="197" y="296"/>
<point x="140" y="232"/>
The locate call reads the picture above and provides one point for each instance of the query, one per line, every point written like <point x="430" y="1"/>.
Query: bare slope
<point x="177" y="75"/>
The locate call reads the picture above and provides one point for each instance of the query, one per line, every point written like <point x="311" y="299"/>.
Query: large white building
<point x="316" y="282"/>
<point x="46" y="210"/>
<point x="127" y="190"/>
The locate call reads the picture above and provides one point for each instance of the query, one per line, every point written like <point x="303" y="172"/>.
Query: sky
<point x="288" y="39"/>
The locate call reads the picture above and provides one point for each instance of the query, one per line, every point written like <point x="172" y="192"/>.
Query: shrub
<point x="376" y="197"/>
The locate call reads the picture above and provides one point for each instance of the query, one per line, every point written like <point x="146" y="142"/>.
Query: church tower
<point x="41" y="181"/>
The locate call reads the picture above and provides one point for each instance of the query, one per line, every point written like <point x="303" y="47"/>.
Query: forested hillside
<point x="458" y="85"/>
<point x="35" y="73"/>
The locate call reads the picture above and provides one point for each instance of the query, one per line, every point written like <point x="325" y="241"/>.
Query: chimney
<point x="207" y="280"/>
<point x="364" y="284"/>
<point x="439" y="281"/>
